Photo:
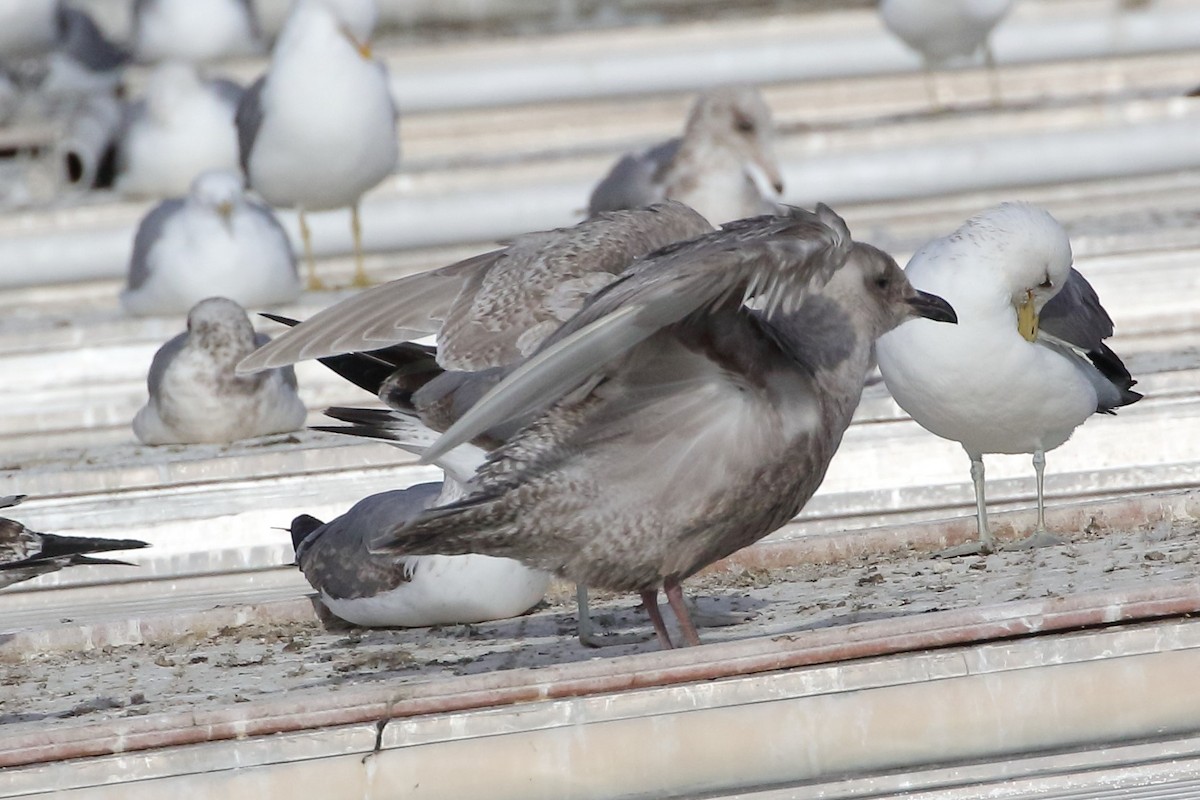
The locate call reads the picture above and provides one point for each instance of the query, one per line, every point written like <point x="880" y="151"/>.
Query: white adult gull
<point x="717" y="167"/>
<point x="375" y="590"/>
<point x="689" y="409"/>
<point x="183" y="126"/>
<point x="1026" y="364"/>
<point x="195" y="395"/>
<point x="941" y="31"/>
<point x="214" y="242"/>
<point x="26" y="553"/>
<point x="185" y="30"/>
<point x="319" y="129"/>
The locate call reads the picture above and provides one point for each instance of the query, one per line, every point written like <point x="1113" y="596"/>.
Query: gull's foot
<point x="315" y="284"/>
<point x="361" y="281"/>
<point x="1038" y="539"/>
<point x="974" y="548"/>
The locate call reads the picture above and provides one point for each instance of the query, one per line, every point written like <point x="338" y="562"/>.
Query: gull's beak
<point x="363" y="48"/>
<point x="226" y="212"/>
<point x="930" y="306"/>
<point x="1027" y="317"/>
<point x="771" y="171"/>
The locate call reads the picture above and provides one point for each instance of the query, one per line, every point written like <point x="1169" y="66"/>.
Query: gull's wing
<point x="248" y="120"/>
<point x="1075" y="316"/>
<point x="496" y="307"/>
<point x="148" y="233"/>
<point x="162" y="360"/>
<point x="635" y="180"/>
<point x="771" y="260"/>
<point x="406" y="308"/>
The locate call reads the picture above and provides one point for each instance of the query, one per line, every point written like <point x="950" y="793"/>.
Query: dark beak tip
<point x="778" y="186"/>
<point x="932" y="307"/>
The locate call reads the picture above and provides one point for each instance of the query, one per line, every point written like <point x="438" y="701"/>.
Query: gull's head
<point x="218" y="323"/>
<point x="219" y="191"/>
<point x="738" y="119"/>
<point x="351" y="21"/>
<point x="1031" y="252"/>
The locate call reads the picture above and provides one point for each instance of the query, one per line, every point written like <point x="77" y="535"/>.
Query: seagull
<point x="182" y="127"/>
<point x="716" y="167"/>
<point x="184" y="30"/>
<point x="388" y="591"/>
<point x="213" y="242"/>
<point x="26" y="554"/>
<point x="195" y="396"/>
<point x="28" y="28"/>
<point x="943" y="30"/>
<point x="689" y="409"/>
<point x="319" y="129"/>
<point x="1027" y="363"/>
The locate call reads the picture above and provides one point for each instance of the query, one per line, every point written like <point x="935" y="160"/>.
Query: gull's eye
<point x="744" y="125"/>
<point x="1046" y="284"/>
<point x="883" y="281"/>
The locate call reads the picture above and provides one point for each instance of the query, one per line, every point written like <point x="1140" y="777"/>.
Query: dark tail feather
<point x="1113" y="369"/>
<point x="54" y="546"/>
<point x="11" y="500"/>
<point x="404" y="367"/>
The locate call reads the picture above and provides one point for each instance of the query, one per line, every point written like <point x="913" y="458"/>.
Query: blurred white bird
<point x="185" y="30"/>
<point x="319" y="129"/>
<point x="213" y="242"/>
<point x="944" y="30"/>
<point x="183" y="126"/>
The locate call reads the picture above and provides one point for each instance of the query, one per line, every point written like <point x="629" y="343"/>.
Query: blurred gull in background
<point x="186" y="30"/>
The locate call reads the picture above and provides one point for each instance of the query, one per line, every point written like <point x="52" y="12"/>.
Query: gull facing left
<point x="1027" y="363"/>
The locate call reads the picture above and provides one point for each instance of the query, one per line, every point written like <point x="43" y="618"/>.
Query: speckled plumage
<point x="691" y="407"/>
<point x="26" y="554"/>
<point x="497" y="306"/>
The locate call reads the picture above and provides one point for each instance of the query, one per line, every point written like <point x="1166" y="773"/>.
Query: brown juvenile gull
<point x="727" y="144"/>
<point x="385" y="591"/>
<point x="688" y="410"/>
<point x="195" y="395"/>
<point x="26" y="554"/>
<point x="1026" y="364"/>
<point x="488" y="312"/>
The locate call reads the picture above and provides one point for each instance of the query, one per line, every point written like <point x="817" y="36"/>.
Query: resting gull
<point x="182" y="127"/>
<point x="689" y="409"/>
<point x="184" y="30"/>
<point x="1026" y="364"/>
<point x="385" y="591"/>
<point x="716" y="167"/>
<point x="195" y="396"/>
<point x="319" y="129"/>
<point x="944" y="30"/>
<point x="213" y="242"/>
<point x="26" y="554"/>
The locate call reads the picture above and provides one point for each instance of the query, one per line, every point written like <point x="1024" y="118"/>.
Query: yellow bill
<point x="1027" y="318"/>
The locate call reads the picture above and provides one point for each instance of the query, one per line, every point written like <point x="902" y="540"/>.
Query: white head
<point x="1028" y="249"/>
<point x="351" y="20"/>
<point x="218" y="323"/>
<point x="219" y="190"/>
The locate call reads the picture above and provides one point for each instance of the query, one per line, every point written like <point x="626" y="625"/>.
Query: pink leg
<point x="674" y="594"/>
<point x="650" y="601"/>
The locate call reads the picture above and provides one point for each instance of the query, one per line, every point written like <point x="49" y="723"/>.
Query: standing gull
<point x="488" y="312"/>
<point x="185" y="30"/>
<point x="1026" y="364"/>
<point x="182" y="127"/>
<point x="213" y="242"/>
<point x="689" y="409"/>
<point x="26" y="554"/>
<point x="716" y="167"/>
<point x="319" y="129"/>
<point x="382" y="590"/>
<point x="943" y="30"/>
<point x="195" y="395"/>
